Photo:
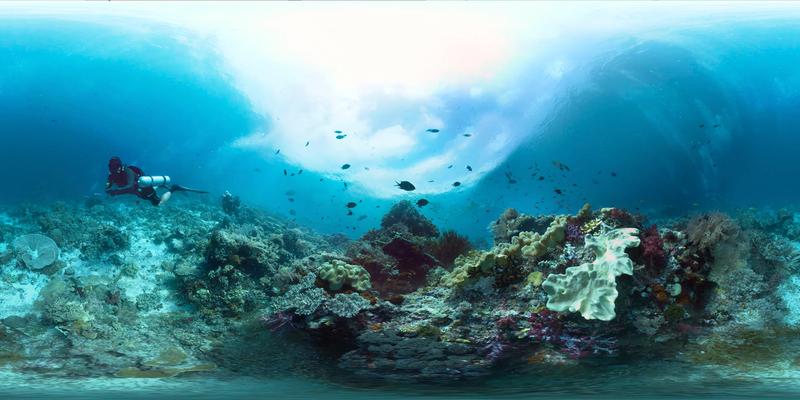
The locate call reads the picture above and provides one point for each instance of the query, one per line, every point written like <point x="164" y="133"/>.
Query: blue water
<point x="666" y="120"/>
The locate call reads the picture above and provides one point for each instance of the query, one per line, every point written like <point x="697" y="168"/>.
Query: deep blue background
<point x="73" y="94"/>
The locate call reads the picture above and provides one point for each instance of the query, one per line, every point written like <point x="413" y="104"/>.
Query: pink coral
<point x="653" y="249"/>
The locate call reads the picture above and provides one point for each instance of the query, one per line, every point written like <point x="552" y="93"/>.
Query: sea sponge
<point x="339" y="273"/>
<point x="591" y="288"/>
<point x="36" y="251"/>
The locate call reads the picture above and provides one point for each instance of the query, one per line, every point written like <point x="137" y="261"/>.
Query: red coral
<point x="653" y="250"/>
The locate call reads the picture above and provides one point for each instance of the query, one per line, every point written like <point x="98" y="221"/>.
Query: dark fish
<point x="558" y="191"/>
<point x="291" y="200"/>
<point x="351" y="204"/>
<point x="431" y="181"/>
<point x="307" y="143"/>
<point x="432" y="130"/>
<point x="456" y="184"/>
<point x="290" y="192"/>
<point x="361" y="218"/>
<point x="716" y="125"/>
<point x="701" y="125"/>
<point x="613" y="173"/>
<point x="337" y="131"/>
<point x="469" y="168"/>
<point x="345" y="166"/>
<point x="277" y="152"/>
<point x="422" y="203"/>
<point x="541" y="178"/>
<point x="467" y="134"/>
<point x="405" y="185"/>
<point x="257" y="170"/>
<point x="450" y="166"/>
<point x="561" y="165"/>
<point x="341" y="136"/>
<point x="349" y="212"/>
<point x="512" y="181"/>
<point x="292" y="212"/>
<point x="285" y="173"/>
<point x="299" y="172"/>
<point x="366" y="168"/>
<point x="345" y="185"/>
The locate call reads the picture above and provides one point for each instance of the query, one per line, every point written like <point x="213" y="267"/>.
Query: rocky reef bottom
<point x="110" y="292"/>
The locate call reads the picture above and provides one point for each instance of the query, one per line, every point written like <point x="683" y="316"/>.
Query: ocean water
<point x="311" y="268"/>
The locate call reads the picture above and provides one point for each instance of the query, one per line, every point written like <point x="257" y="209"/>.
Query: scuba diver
<point x="129" y="179"/>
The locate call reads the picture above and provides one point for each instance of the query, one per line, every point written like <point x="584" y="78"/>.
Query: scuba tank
<point x="153" y="181"/>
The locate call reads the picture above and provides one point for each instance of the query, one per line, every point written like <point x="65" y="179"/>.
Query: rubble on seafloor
<point x="199" y="287"/>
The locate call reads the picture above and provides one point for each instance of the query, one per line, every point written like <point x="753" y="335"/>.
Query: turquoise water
<point x="309" y="116"/>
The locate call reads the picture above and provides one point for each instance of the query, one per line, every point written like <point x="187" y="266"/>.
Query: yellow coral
<point x="538" y="245"/>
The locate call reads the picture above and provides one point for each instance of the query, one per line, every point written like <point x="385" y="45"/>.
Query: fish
<point x="285" y="173"/>
<point x="278" y="152"/>
<point x="345" y="166"/>
<point x="292" y="212"/>
<point x="456" y="184"/>
<point x="431" y="181"/>
<point x="349" y="212"/>
<point x="351" y="204"/>
<point x="613" y="173"/>
<point x="362" y="217"/>
<point x="405" y="185"/>
<point x="558" y="191"/>
<point x="701" y="125"/>
<point x="341" y="136"/>
<point x="307" y="143"/>
<point x="432" y="130"/>
<point x="291" y="200"/>
<point x="299" y="172"/>
<point x="450" y="166"/>
<point x="561" y="165"/>
<point x="541" y="178"/>
<point x="422" y="203"/>
<point x="469" y="168"/>
<point x="290" y="192"/>
<point x="257" y="170"/>
<point x="337" y="131"/>
<point x="716" y="125"/>
<point x="467" y="134"/>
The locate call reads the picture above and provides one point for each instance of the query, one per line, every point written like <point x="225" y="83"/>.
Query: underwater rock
<point x="406" y="214"/>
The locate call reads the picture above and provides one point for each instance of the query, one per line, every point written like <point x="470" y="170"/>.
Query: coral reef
<point x="224" y="287"/>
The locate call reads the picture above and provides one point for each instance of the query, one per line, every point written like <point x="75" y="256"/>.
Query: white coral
<point x="591" y="288"/>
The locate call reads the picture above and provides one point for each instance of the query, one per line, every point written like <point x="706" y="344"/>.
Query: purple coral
<point x="573" y="233"/>
<point x="547" y="328"/>
<point x="278" y="321"/>
<point x="497" y="349"/>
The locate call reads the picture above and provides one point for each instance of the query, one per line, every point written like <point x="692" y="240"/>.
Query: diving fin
<point x="179" y="188"/>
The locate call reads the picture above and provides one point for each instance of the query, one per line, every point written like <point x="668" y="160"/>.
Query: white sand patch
<point x="19" y="288"/>
<point x="5" y="219"/>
